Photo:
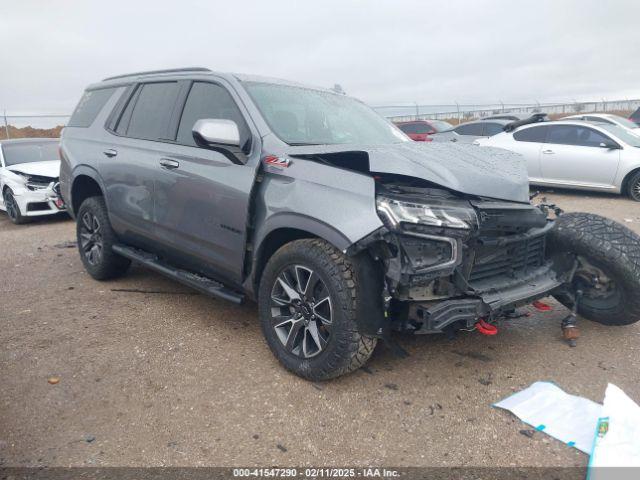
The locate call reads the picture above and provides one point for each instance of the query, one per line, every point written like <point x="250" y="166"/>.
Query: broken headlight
<point x="395" y="212"/>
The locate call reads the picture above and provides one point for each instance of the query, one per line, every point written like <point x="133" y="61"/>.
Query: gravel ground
<point x="171" y="377"/>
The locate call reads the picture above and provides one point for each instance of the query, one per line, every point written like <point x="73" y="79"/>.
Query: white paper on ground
<point x="617" y="442"/>
<point x="547" y="408"/>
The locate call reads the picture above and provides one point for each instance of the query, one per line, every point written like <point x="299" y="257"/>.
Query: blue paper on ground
<point x="548" y="408"/>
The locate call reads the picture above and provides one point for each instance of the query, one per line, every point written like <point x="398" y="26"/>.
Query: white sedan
<point x="29" y="173"/>
<point x="606" y="118"/>
<point x="576" y="154"/>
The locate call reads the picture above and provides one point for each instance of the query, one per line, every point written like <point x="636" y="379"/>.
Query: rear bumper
<point x="434" y="317"/>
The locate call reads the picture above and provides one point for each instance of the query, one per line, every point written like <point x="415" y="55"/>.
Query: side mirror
<point x="220" y="135"/>
<point x="609" y="145"/>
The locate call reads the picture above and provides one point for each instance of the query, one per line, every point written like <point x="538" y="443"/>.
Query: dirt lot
<point x="175" y="378"/>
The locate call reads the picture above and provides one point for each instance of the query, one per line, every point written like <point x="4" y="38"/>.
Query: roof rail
<point x="153" y="72"/>
<point x="535" y="118"/>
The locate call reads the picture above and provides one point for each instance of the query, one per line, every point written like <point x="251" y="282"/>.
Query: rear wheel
<point x="633" y="187"/>
<point x="308" y="301"/>
<point x="96" y="239"/>
<point x="13" y="209"/>
<point x="608" y="271"/>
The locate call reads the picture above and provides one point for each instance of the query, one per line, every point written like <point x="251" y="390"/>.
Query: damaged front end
<point x="451" y="259"/>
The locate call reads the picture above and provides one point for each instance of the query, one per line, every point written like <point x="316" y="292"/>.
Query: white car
<point x="29" y="173"/>
<point x="608" y="119"/>
<point x="576" y="154"/>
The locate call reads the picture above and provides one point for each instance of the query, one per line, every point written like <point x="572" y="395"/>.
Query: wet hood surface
<point x="482" y="171"/>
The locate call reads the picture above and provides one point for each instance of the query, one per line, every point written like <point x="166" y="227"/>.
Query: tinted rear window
<point x="89" y="107"/>
<point x="416" y="128"/>
<point x="470" y="129"/>
<point x="152" y="111"/>
<point x="491" y="129"/>
<point x="531" y="134"/>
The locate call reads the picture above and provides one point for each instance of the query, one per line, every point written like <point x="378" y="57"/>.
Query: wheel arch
<point x="625" y="182"/>
<point x="85" y="184"/>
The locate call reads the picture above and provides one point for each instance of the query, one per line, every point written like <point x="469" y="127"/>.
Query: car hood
<point x="486" y="172"/>
<point x="50" y="168"/>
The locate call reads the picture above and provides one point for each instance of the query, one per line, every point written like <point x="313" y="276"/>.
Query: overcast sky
<point x="383" y="52"/>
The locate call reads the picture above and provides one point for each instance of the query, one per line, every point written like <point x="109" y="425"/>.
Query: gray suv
<point x="341" y="228"/>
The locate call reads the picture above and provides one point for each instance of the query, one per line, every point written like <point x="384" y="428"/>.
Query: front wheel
<point x="308" y="299"/>
<point x="608" y="271"/>
<point x="96" y="239"/>
<point x="13" y="209"/>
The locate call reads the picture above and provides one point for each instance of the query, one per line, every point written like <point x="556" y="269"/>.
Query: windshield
<point x="625" y="122"/>
<point x="440" y="125"/>
<point x="627" y="136"/>
<point x="15" y="153"/>
<point x="302" y="116"/>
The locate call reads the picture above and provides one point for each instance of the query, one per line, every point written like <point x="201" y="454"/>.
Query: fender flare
<point x="87" y="171"/>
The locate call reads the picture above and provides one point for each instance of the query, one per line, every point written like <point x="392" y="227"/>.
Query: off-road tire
<point x="17" y="218"/>
<point x="612" y="248"/>
<point x="348" y="349"/>
<point x="111" y="265"/>
<point x="633" y="187"/>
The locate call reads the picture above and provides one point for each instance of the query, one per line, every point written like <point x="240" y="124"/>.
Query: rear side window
<point x="89" y="107"/>
<point x="491" y="129"/>
<point x="152" y="111"/>
<point x="208" y="100"/>
<point x="531" y="134"/>
<point x="415" y="128"/>
<point x="470" y="129"/>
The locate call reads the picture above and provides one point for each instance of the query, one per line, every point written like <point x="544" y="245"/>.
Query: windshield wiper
<point x="301" y="144"/>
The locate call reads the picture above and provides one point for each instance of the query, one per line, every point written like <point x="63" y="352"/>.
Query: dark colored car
<point x="635" y="117"/>
<point x="337" y="224"/>
<point x="470" y="131"/>
<point x="420" y="130"/>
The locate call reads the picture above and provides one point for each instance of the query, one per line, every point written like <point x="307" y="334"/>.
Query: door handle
<point x="548" y="152"/>
<point x="454" y="139"/>
<point x="169" y="164"/>
<point x="110" y="152"/>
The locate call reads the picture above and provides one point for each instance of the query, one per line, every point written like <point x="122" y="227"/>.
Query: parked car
<point x="635" y="117"/>
<point x="421" y="130"/>
<point x="29" y="171"/>
<point x="516" y="116"/>
<point x="606" y="119"/>
<point x="471" y="131"/>
<point x="339" y="226"/>
<point x="577" y="154"/>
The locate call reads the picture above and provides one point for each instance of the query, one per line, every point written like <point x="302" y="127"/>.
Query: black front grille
<point x="512" y="260"/>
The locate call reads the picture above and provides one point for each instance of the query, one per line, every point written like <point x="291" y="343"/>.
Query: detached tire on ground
<point x="308" y="299"/>
<point x="609" y="266"/>
<point x="96" y="239"/>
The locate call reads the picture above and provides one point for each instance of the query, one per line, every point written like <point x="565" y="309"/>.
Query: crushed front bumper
<point x="436" y="316"/>
<point x="40" y="201"/>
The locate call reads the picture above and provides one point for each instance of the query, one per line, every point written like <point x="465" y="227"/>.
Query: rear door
<point x="201" y="196"/>
<point x="572" y="155"/>
<point x="130" y="165"/>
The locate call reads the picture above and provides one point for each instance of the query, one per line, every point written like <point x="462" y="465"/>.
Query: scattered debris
<point x="172" y="444"/>
<point x="407" y="402"/>
<point x="541" y="306"/>
<point x="89" y="438"/>
<point x="528" y="433"/>
<point x="486" y="381"/>
<point x="281" y="447"/>
<point x="54" y="380"/>
<point x="628" y="220"/>
<point x="256" y="436"/>
<point x="69" y="244"/>
<point x="391" y="386"/>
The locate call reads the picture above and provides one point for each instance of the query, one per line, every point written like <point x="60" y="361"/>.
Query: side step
<point x="193" y="280"/>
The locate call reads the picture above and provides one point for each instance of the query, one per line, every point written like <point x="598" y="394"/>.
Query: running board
<point x="193" y="280"/>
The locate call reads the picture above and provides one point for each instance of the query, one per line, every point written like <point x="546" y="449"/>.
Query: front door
<point x="572" y="155"/>
<point x="201" y="196"/>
